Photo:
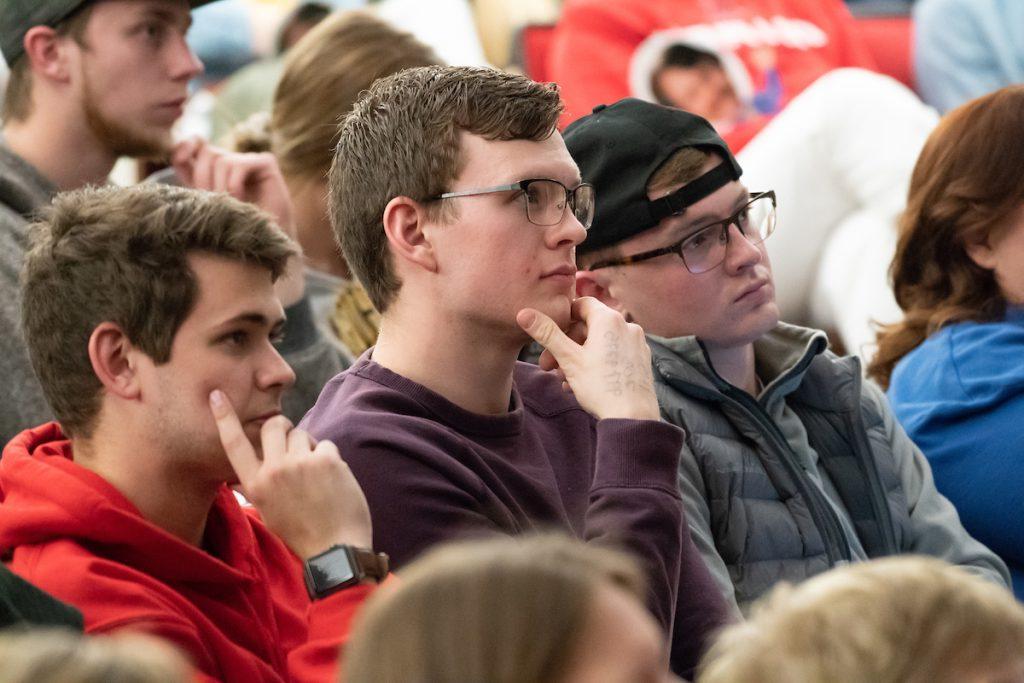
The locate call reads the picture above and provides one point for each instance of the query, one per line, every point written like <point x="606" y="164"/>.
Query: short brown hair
<point x="680" y="168"/>
<point x="402" y="139"/>
<point x="121" y="255"/>
<point x="895" y="620"/>
<point x="17" y="99"/>
<point x="505" y="609"/>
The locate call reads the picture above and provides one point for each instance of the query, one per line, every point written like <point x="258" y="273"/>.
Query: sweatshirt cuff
<point x="300" y="329"/>
<point x="638" y="453"/>
<point x="332" y="617"/>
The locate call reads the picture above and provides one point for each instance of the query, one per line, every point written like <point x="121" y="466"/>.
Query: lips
<point x="752" y="290"/>
<point x="265" y="416"/>
<point x="172" y="109"/>
<point x="564" y="270"/>
<point x="177" y="102"/>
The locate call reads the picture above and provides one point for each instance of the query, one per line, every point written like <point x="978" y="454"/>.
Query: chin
<point x="145" y="144"/>
<point x="749" y="330"/>
<point x="560" y="312"/>
<point x="764" y="324"/>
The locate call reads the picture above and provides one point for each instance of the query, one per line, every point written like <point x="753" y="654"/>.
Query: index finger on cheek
<point x="236" y="444"/>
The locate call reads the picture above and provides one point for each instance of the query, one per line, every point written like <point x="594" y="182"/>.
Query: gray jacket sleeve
<point x="935" y="527"/>
<point x="22" y="404"/>
<point x="312" y="356"/>
<point x="698" y="517"/>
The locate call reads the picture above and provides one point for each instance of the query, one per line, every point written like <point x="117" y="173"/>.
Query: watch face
<point x="332" y="570"/>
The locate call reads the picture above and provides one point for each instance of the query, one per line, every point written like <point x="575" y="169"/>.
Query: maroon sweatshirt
<point x="433" y="472"/>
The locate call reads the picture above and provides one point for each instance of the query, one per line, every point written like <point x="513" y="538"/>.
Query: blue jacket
<point x="960" y="396"/>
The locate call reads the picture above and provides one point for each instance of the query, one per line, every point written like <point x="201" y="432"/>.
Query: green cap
<point x="18" y="16"/>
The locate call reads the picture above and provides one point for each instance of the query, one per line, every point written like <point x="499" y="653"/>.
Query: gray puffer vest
<point x="769" y="520"/>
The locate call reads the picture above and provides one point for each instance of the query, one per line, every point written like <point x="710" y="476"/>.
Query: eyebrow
<point x="577" y="180"/>
<point x="704" y="220"/>
<point x="165" y="15"/>
<point x="253" y="318"/>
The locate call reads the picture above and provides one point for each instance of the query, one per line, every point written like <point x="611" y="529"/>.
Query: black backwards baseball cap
<point x="18" y="16"/>
<point x="618" y="148"/>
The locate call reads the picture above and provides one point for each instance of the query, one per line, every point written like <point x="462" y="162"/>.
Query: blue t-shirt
<point x="960" y="397"/>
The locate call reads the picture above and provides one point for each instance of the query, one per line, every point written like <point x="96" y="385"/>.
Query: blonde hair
<point x="323" y="75"/>
<point x="896" y="620"/>
<point x="680" y="168"/>
<point x="496" y="611"/>
<point x="61" y="656"/>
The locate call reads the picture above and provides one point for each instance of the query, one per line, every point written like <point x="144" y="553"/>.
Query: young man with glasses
<point x="459" y="209"/>
<point x="792" y="464"/>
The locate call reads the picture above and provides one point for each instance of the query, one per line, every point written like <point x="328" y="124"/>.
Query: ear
<point x="598" y="285"/>
<point x="113" y="360"/>
<point x="405" y="221"/>
<point x="47" y="53"/>
<point x="980" y="251"/>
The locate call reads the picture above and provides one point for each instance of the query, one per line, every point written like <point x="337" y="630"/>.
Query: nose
<point x="184" y="65"/>
<point x="569" y="231"/>
<point x="274" y="372"/>
<point x="740" y="252"/>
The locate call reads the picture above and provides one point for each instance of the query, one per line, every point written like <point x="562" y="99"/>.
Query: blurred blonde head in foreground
<point x="895" y="620"/>
<point x="61" y="656"/>
<point x="544" y="609"/>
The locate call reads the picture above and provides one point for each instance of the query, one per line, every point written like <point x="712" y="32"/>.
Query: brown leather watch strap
<point x="372" y="565"/>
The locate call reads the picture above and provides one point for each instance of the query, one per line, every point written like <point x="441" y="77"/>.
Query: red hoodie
<point x="238" y="606"/>
<point x="771" y="49"/>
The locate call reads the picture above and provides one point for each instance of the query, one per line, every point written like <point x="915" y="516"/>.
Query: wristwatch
<point x="342" y="566"/>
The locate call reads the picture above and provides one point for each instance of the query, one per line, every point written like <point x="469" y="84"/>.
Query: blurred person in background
<point x="893" y="620"/>
<point x="599" y="48"/>
<point x="322" y="77"/>
<point x="251" y="89"/>
<point x="4" y="74"/>
<point x="58" y="656"/>
<point x="953" y="364"/>
<point x="544" y="609"/>
<point x="21" y="603"/>
<point x="964" y="49"/>
<point x="91" y="81"/>
<point x="499" y="23"/>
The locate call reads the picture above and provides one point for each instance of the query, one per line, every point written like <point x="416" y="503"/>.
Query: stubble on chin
<point x="122" y="139"/>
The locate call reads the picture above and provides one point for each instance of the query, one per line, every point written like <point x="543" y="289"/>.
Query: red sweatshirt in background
<point x="784" y="45"/>
<point x="237" y="607"/>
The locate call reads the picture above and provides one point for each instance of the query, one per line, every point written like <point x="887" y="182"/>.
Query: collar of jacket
<point x="782" y="357"/>
<point x="22" y="187"/>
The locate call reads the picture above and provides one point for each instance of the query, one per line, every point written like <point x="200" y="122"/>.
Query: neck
<point x="48" y="144"/>
<point x="313" y="228"/>
<point x="734" y="364"/>
<point x="167" y="497"/>
<point x="470" y="368"/>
